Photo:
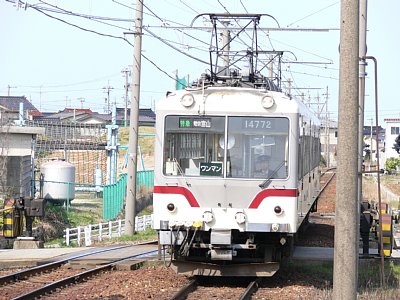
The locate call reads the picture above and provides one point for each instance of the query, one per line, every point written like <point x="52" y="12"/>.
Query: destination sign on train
<point x="194" y="123"/>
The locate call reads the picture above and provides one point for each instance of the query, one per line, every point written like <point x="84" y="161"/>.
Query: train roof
<point x="232" y="100"/>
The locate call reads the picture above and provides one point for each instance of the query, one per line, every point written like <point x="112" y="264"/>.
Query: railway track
<point x="195" y="289"/>
<point x="326" y="178"/>
<point x="44" y="279"/>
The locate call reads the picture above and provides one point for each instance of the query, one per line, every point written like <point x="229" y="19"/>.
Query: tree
<point x="396" y="145"/>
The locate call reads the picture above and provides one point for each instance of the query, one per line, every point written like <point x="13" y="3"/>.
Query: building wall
<point x="331" y="139"/>
<point x="16" y="159"/>
<point x="18" y="176"/>
<point x="392" y="131"/>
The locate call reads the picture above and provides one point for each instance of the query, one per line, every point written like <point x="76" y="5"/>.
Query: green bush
<point x="391" y="164"/>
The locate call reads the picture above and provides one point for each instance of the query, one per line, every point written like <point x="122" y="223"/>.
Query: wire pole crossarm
<point x="130" y="208"/>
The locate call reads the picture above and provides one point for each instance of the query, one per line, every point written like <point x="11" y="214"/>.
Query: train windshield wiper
<point x="267" y="181"/>
<point x="180" y="171"/>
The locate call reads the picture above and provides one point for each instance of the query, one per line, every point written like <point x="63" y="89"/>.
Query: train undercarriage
<point x="226" y="252"/>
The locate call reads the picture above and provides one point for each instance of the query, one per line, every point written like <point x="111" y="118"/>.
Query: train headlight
<point x="275" y="227"/>
<point x="278" y="210"/>
<point x="267" y="101"/>
<point x="208" y="216"/>
<point x="240" y="218"/>
<point x="187" y="100"/>
<point x="171" y="207"/>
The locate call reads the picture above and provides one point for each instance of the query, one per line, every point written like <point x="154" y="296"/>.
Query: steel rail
<point x="62" y="283"/>
<point x="185" y="290"/>
<point x="250" y="290"/>
<point x="21" y="275"/>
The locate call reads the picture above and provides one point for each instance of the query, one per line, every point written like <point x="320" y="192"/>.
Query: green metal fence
<point x="114" y="194"/>
<point x="113" y="198"/>
<point x="144" y="179"/>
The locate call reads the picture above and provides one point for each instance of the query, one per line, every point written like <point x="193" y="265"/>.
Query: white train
<point x="215" y="210"/>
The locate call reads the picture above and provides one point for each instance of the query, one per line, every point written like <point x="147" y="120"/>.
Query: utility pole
<point x="82" y="100"/>
<point x="327" y="127"/>
<point x="226" y="39"/>
<point x="40" y="99"/>
<point x="130" y="208"/>
<point x="370" y="149"/>
<point x="270" y="67"/>
<point x="127" y="73"/>
<point x="361" y="91"/>
<point x="345" y="270"/>
<point x="9" y="88"/>
<point x="107" y="90"/>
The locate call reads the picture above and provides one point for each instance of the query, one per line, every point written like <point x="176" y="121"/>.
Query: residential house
<point x="328" y="136"/>
<point x="392" y="132"/>
<point x="10" y="105"/>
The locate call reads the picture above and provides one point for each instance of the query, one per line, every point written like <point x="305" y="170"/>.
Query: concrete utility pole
<point x="361" y="92"/>
<point x="327" y="127"/>
<point x="345" y="271"/>
<point x="9" y="88"/>
<point x="130" y="208"/>
<point x="107" y="89"/>
<point x="226" y="39"/>
<point x="82" y="100"/>
<point x="127" y="73"/>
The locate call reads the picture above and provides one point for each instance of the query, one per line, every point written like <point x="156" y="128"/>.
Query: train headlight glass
<point x="267" y="101"/>
<point x="208" y="216"/>
<point x="187" y="100"/>
<point x="171" y="207"/>
<point x="240" y="218"/>
<point x="278" y="210"/>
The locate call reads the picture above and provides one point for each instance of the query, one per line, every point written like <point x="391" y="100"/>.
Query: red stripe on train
<point x="180" y="190"/>
<point x="272" y="193"/>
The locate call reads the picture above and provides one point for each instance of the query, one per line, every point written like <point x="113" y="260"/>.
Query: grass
<point x="147" y="235"/>
<point x="369" y="282"/>
<point x="146" y="211"/>
<point x="78" y="213"/>
<point x="81" y="213"/>
<point x="146" y="143"/>
<point x="391" y="182"/>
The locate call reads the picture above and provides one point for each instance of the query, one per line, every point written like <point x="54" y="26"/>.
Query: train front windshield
<point x="219" y="146"/>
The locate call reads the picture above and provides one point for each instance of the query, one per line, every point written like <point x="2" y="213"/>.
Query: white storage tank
<point x="59" y="181"/>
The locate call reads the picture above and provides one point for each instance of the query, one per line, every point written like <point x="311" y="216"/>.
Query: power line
<point x="173" y="47"/>
<point x="243" y="6"/>
<point x="70" y="84"/>
<point x="314" y="13"/>
<point x="79" y="27"/>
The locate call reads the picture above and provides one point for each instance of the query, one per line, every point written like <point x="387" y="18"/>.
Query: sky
<point x="60" y="60"/>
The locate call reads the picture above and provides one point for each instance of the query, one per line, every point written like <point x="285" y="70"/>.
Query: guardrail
<point x="86" y="235"/>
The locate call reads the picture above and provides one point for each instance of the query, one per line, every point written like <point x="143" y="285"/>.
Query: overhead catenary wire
<point x="165" y="23"/>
